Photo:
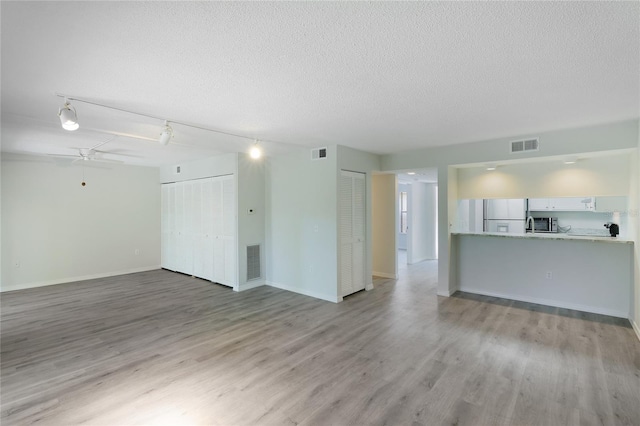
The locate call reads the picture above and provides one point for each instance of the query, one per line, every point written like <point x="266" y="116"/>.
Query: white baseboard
<point x="80" y="278"/>
<point x="368" y="287"/>
<point x="305" y="292"/>
<point x="444" y="293"/>
<point x="548" y="302"/>
<point x="251" y="284"/>
<point x="384" y="275"/>
<point x="636" y="328"/>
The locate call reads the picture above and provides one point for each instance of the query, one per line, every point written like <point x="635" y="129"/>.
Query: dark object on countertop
<point x="613" y="228"/>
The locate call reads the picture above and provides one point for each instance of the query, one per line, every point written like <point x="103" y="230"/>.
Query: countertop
<point x="550" y="236"/>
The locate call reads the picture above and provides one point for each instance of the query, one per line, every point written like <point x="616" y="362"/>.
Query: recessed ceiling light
<point x="570" y="160"/>
<point x="411" y="173"/>
<point x="492" y="166"/>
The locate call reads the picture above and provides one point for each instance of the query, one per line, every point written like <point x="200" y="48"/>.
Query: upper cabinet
<point x="567" y="204"/>
<point x="611" y="204"/>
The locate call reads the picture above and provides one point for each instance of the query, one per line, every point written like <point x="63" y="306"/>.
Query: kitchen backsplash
<point x="585" y="220"/>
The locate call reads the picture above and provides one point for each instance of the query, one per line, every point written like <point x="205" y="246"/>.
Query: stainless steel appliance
<point x="505" y="215"/>
<point x="544" y="224"/>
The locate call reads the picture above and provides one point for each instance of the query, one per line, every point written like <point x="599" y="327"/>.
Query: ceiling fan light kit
<point x="68" y="117"/>
<point x="69" y="121"/>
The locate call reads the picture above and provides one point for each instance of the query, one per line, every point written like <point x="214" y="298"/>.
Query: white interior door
<point x="224" y="230"/>
<point x="196" y="228"/>
<point x="179" y="228"/>
<point x="207" y="229"/>
<point x="188" y="228"/>
<point x="218" y="243"/>
<point x="165" y="231"/>
<point x="352" y="232"/>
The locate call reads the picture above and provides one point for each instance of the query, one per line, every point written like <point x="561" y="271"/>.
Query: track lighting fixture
<point x="166" y="134"/>
<point x="255" y="152"/>
<point x="68" y="117"/>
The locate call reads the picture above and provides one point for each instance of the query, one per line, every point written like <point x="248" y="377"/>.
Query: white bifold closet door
<point x="199" y="228"/>
<point x="352" y="232"/>
<point x="168" y="227"/>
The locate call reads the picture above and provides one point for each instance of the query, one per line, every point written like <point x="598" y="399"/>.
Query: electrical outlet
<point x="137" y="251"/>
<point x="548" y="275"/>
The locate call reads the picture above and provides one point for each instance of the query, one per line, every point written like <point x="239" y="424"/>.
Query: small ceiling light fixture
<point x="255" y="152"/>
<point x="570" y="160"/>
<point x="68" y="116"/>
<point x="166" y="134"/>
<point x="411" y="173"/>
<point x="492" y="166"/>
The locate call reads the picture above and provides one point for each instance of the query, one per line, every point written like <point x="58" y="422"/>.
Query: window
<point x="403" y="212"/>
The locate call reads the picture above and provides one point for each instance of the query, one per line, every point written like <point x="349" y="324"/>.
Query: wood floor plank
<point x="160" y="347"/>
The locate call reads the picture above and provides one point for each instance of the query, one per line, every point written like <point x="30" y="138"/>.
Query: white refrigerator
<point x="505" y="215"/>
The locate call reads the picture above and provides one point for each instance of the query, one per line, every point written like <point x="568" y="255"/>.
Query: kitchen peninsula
<point x="591" y="274"/>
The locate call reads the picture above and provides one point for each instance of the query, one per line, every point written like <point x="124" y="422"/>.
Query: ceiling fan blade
<point x="116" y="152"/>
<point x="106" y="160"/>
<point x="62" y="155"/>
<point x="103" y="143"/>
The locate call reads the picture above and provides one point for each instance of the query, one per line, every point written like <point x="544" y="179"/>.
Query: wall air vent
<point x="319" y="154"/>
<point x="524" y="145"/>
<point x="253" y="262"/>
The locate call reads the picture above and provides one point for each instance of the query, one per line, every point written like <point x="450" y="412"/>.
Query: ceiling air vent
<point x="319" y="154"/>
<point x="524" y="145"/>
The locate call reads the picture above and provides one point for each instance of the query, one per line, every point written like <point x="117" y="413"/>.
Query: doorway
<point x="405" y="217"/>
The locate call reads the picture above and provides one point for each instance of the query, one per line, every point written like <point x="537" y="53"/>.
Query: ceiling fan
<point x="92" y="154"/>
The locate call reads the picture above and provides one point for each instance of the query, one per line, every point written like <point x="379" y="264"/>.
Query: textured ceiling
<point x="381" y="77"/>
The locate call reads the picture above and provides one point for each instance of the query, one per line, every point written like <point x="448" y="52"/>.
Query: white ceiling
<point x="381" y="77"/>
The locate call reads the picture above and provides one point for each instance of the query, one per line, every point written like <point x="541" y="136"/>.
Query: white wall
<point x="634" y="232"/>
<point x="403" y="238"/>
<point x="588" y="177"/>
<point x="58" y="231"/>
<point x="219" y="165"/>
<point x="301" y="217"/>
<point x="251" y="227"/>
<point x="423" y="221"/>
<point x="595" y="278"/>
<point x="599" y="138"/>
<point x="384" y="225"/>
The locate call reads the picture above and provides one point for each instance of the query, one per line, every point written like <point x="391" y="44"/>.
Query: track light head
<point x="68" y="117"/>
<point x="166" y="134"/>
<point x="255" y="152"/>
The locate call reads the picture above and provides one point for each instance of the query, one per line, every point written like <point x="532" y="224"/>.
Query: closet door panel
<point x="196" y="228"/>
<point x="207" y="228"/>
<point x="352" y="212"/>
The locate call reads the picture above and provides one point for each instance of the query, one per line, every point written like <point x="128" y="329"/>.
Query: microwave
<point x="545" y="224"/>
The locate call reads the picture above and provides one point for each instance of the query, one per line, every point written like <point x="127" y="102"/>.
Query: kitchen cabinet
<point x="611" y="204"/>
<point x="566" y="204"/>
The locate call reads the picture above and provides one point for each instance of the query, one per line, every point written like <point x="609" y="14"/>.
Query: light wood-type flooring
<point x="161" y="348"/>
